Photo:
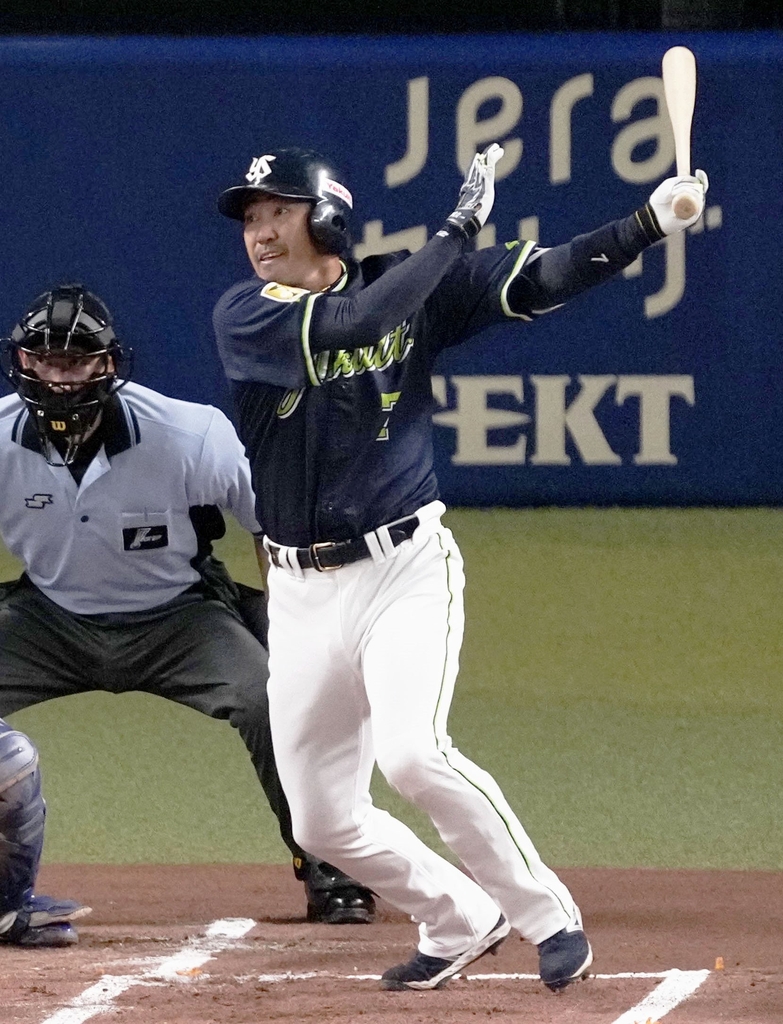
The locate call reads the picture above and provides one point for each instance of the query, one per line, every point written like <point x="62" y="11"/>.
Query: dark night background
<point x="304" y="17"/>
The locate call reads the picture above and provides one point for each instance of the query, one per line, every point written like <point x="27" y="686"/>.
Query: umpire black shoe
<point x="334" y="897"/>
<point x="564" y="957"/>
<point x="424" y="972"/>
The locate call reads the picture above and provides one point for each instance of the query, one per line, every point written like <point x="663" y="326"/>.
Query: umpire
<point x="113" y="496"/>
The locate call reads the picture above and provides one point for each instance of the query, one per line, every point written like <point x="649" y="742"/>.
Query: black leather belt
<point x="329" y="554"/>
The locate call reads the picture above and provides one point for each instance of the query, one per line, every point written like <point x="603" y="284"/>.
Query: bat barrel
<point x="678" y="70"/>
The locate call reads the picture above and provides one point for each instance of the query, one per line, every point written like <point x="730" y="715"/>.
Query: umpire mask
<point x="64" y="361"/>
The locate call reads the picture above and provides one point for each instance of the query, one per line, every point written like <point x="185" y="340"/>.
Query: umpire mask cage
<point x="65" y="333"/>
<point x="299" y="174"/>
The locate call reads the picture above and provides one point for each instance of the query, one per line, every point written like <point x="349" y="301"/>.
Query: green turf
<point x="620" y="678"/>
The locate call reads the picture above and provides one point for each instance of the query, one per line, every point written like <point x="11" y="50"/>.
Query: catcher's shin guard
<point x="26" y="919"/>
<point x="22" y="814"/>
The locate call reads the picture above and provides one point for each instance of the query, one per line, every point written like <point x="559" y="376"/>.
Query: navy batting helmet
<point x="64" y="327"/>
<point x="298" y="174"/>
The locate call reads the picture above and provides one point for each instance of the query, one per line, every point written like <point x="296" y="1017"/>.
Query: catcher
<point x="25" y="918"/>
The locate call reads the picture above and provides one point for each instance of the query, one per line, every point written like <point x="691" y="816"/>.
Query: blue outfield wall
<point x="661" y="387"/>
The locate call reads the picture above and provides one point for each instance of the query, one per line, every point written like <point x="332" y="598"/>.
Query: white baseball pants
<point x="363" y="661"/>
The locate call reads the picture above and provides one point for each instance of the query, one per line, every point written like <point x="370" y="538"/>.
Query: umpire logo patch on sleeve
<point x="142" y="538"/>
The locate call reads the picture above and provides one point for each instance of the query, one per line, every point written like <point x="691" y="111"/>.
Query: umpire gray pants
<point x="192" y="650"/>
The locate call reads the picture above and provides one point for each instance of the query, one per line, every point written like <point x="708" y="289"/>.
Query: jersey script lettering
<point x="395" y="347"/>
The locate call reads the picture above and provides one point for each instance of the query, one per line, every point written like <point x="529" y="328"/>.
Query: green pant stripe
<point x="444" y="752"/>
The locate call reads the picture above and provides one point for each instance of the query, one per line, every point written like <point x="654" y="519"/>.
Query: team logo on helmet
<point x="259" y="169"/>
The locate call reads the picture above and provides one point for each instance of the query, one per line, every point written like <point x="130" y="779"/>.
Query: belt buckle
<point x="316" y="561"/>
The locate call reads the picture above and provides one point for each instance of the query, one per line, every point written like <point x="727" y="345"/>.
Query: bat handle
<point x="684" y="207"/>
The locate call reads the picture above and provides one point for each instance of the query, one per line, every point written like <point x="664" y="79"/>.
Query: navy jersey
<point x="333" y="389"/>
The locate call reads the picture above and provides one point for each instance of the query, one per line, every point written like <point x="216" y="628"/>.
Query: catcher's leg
<point x="26" y="919"/>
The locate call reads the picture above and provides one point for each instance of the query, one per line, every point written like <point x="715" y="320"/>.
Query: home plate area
<point x="209" y="943"/>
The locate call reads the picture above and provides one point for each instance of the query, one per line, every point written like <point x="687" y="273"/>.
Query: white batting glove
<point x="477" y="193"/>
<point x="662" y="199"/>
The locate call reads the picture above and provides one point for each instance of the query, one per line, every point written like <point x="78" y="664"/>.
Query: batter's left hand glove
<point x="661" y="201"/>
<point x="477" y="193"/>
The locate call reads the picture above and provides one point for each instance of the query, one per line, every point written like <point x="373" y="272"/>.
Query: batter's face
<point x="280" y="247"/>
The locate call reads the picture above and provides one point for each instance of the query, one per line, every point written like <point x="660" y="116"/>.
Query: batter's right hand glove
<point x="477" y="193"/>
<point x="662" y="200"/>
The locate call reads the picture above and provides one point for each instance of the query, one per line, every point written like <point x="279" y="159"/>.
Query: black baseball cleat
<point x="350" y="904"/>
<point x="334" y="897"/>
<point x="564" y="957"/>
<point x="427" y="972"/>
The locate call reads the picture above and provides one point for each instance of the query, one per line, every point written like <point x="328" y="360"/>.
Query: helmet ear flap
<point x="329" y="227"/>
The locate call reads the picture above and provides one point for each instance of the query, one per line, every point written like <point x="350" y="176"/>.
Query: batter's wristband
<point x="462" y="232"/>
<point x="648" y="222"/>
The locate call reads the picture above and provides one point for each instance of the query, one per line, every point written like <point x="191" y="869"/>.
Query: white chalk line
<point x="672" y="991"/>
<point x="98" y="998"/>
<point x="308" y="975"/>
<point x="674" y="988"/>
<point x="675" y="985"/>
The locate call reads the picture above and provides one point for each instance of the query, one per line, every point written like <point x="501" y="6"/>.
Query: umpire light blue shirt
<point x="122" y="540"/>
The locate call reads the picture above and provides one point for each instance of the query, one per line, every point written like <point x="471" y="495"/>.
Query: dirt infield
<point x="146" y="954"/>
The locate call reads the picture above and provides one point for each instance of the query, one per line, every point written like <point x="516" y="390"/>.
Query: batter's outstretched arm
<point x="553" y="276"/>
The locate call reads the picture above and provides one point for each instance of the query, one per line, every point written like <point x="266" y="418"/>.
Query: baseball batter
<point x="330" y="362"/>
<point x="26" y="919"/>
<point x="112" y="496"/>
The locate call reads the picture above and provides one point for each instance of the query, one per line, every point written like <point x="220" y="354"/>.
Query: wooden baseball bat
<point x="678" y="68"/>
